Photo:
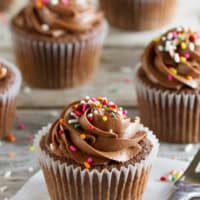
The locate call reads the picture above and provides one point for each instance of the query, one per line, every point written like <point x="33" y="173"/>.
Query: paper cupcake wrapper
<point x="174" y="117"/>
<point x="69" y="182"/>
<point x="138" y="14"/>
<point x="8" y="101"/>
<point x="58" y="64"/>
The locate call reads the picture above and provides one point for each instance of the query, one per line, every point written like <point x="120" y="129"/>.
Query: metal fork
<point x="188" y="186"/>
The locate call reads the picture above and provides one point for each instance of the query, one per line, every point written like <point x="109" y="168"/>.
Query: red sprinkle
<point x="78" y="112"/>
<point x="192" y="38"/>
<point x="90" y="160"/>
<point x="105" y="102"/>
<point x="61" y="132"/>
<point x="90" y="127"/>
<point x="163" y="178"/>
<point x="72" y="148"/>
<point x="22" y="126"/>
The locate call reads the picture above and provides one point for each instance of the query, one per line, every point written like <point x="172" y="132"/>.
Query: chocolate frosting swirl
<point x="173" y="60"/>
<point x="58" y="19"/>
<point x="94" y="132"/>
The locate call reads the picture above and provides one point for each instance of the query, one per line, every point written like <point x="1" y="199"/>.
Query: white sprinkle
<point x="163" y="38"/>
<point x="95" y="112"/>
<point x="111" y="131"/>
<point x="82" y="102"/>
<point x="7" y="174"/>
<point x="90" y="115"/>
<point x="160" y="48"/>
<point x="54" y="2"/>
<point x="30" y="169"/>
<point x="176" y="58"/>
<point x="72" y="121"/>
<point x="3" y="188"/>
<point x="169" y="36"/>
<point x="188" y="148"/>
<point x="45" y="27"/>
<point x="179" y="29"/>
<point x="87" y="97"/>
<point x="171" y="52"/>
<point x="74" y="115"/>
<point x="191" y="46"/>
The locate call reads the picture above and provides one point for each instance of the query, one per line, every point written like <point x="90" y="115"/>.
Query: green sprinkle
<point x="173" y="178"/>
<point x="104" y="107"/>
<point x="113" y="115"/>
<point x="76" y="125"/>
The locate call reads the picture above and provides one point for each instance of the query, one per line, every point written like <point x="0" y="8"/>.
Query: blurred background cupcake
<point x="10" y="82"/>
<point x="5" y="4"/>
<point x="138" y="15"/>
<point x="98" y="151"/>
<point x="58" y="45"/>
<point x="168" y="85"/>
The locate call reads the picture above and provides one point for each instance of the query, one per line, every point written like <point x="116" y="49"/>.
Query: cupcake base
<point x="173" y="116"/>
<point x="69" y="182"/>
<point x="138" y="14"/>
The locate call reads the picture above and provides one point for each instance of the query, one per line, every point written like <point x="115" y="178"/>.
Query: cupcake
<point x="94" y="151"/>
<point x="138" y="15"/>
<point x="5" y="4"/>
<point x="58" y="43"/>
<point x="10" y="81"/>
<point x="168" y="86"/>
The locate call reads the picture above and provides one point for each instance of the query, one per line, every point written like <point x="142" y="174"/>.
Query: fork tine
<point x="194" y="164"/>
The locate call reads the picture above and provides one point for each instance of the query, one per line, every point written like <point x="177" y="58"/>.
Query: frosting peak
<point x="173" y="60"/>
<point x="97" y="130"/>
<point x="59" y="17"/>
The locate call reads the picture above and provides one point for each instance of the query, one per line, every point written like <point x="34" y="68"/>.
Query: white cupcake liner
<point x="8" y="101"/>
<point x="69" y="182"/>
<point x="133" y="14"/>
<point x="173" y="116"/>
<point x="58" y="63"/>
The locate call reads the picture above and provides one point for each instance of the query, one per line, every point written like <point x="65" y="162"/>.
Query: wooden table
<point x="37" y="108"/>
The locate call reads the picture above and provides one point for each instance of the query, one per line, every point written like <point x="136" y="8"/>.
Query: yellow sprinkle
<point x="31" y="148"/>
<point x="183" y="45"/>
<point x="182" y="59"/>
<point x="156" y="39"/>
<point x="189" y="78"/>
<point x="39" y="3"/>
<point x="173" y="70"/>
<point x="82" y="136"/>
<point x="87" y="165"/>
<point x="105" y="118"/>
<point x="178" y="175"/>
<point x="11" y="154"/>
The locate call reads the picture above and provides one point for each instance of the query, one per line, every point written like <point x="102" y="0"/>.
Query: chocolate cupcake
<point x="138" y="15"/>
<point x="5" y="4"/>
<point x="10" y="81"/>
<point x="58" y="43"/>
<point x="94" y="151"/>
<point x="168" y="86"/>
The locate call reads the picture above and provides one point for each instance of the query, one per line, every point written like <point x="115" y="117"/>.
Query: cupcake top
<point x="93" y="132"/>
<point x="57" y="18"/>
<point x="173" y="59"/>
<point x="10" y="78"/>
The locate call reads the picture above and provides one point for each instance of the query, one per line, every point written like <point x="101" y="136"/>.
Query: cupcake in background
<point x="94" y="151"/>
<point x="10" y="82"/>
<point x="58" y="43"/>
<point x="168" y="86"/>
<point x="5" y="4"/>
<point x="138" y="15"/>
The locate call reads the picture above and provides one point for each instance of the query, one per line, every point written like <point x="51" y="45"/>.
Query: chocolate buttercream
<point x="173" y="60"/>
<point x="58" y="19"/>
<point x="94" y="131"/>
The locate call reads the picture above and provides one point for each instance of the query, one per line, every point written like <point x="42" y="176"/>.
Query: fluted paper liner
<point x="138" y="14"/>
<point x="173" y="116"/>
<point x="7" y="101"/>
<point x="61" y="63"/>
<point x="68" y="182"/>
